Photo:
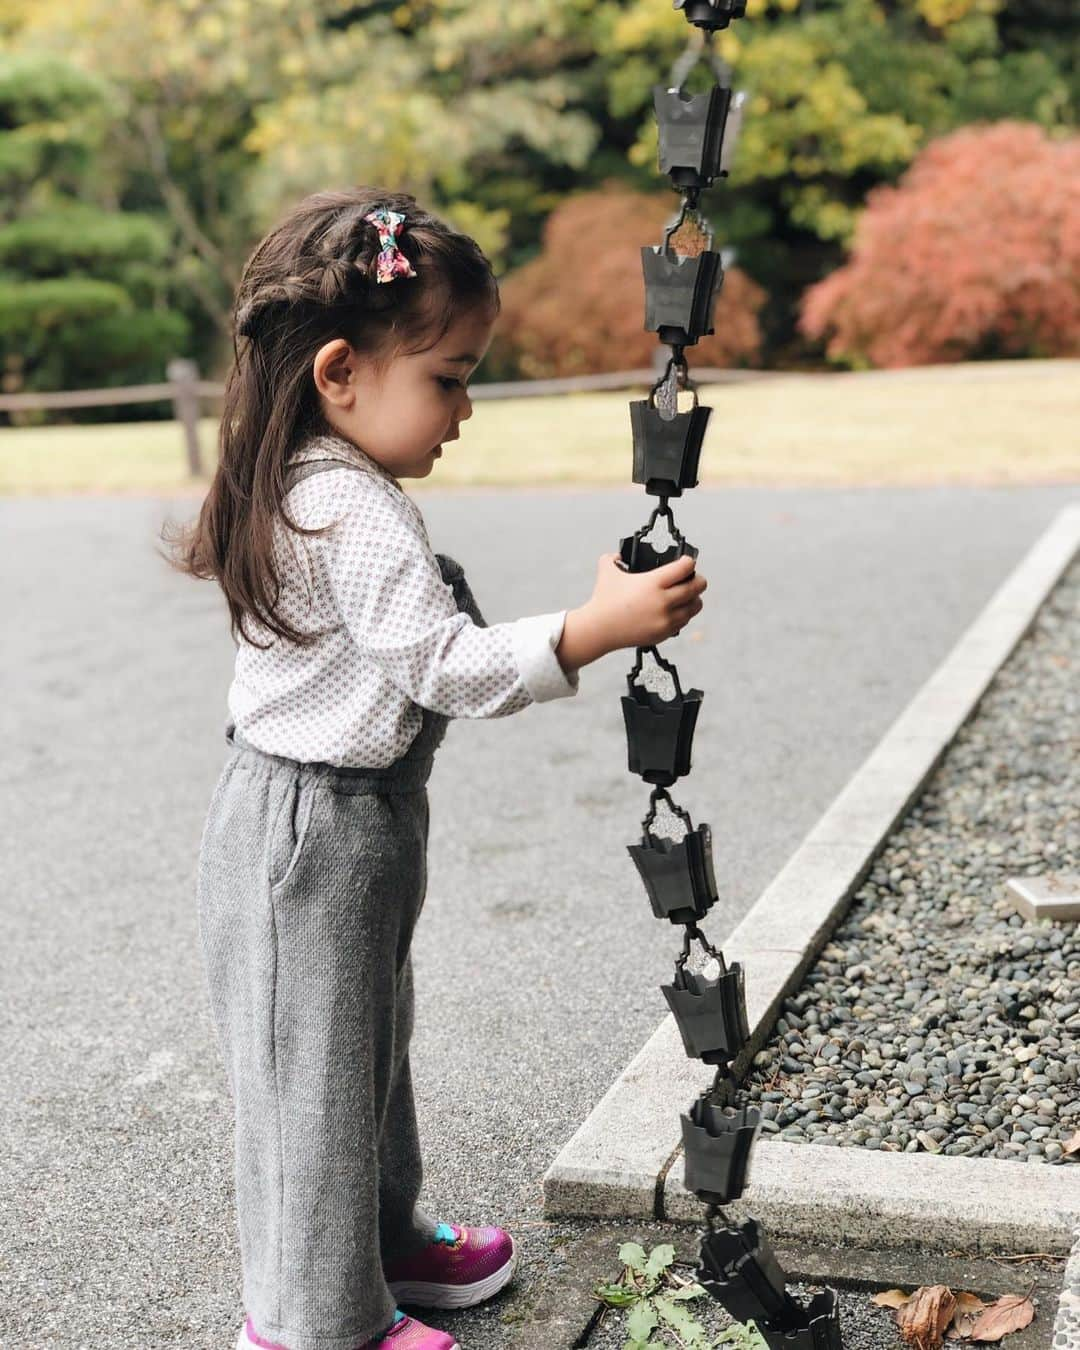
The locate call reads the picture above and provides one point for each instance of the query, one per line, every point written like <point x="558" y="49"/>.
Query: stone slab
<point x="1049" y="897"/>
<point x="906" y="1201"/>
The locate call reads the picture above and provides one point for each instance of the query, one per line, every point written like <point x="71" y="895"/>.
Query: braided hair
<point x="310" y="280"/>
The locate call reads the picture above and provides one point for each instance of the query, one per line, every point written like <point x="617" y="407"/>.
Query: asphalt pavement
<point x="537" y="958"/>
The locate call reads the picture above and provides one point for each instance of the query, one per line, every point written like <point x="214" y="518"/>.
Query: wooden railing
<point x="186" y="391"/>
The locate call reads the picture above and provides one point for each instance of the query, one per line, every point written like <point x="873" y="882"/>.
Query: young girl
<point x="359" y="317"/>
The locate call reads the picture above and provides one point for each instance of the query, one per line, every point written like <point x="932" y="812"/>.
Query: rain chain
<point x="735" y="1263"/>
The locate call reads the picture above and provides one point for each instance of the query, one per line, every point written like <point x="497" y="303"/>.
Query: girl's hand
<point x="631" y="609"/>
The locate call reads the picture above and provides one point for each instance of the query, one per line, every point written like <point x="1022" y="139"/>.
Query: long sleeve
<point x="390" y="594"/>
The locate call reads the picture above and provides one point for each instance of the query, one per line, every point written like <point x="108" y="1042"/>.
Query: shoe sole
<point x="243" y="1343"/>
<point x="423" y="1295"/>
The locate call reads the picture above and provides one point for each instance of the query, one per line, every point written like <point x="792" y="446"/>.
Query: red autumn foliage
<point x="579" y="306"/>
<point x="976" y="253"/>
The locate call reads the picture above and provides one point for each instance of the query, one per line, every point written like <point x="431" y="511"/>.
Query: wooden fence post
<point x="183" y="375"/>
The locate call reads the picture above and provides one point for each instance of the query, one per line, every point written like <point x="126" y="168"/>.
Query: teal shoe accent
<point x="444" y="1233"/>
<point x="399" y="1316"/>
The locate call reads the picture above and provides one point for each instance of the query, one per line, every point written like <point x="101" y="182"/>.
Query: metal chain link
<point x="665" y="394"/>
<point x="796" y="1327"/>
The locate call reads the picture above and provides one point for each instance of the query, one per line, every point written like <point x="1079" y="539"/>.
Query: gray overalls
<point x="310" y="882"/>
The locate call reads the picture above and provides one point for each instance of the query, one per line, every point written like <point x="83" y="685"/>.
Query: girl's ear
<point x="334" y="371"/>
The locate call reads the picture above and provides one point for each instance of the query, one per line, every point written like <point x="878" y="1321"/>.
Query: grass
<point x="1002" y="422"/>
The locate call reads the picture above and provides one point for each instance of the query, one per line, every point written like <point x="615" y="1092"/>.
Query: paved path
<point x="537" y="957"/>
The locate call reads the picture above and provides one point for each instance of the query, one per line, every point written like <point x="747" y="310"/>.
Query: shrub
<point x="73" y="237"/>
<point x="579" y="307"/>
<point x="77" y="333"/>
<point x="975" y="254"/>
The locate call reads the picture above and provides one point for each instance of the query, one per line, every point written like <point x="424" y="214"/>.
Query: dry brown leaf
<point x="1073" y="1145"/>
<point x="890" y="1298"/>
<point x="923" y="1318"/>
<point x="1011" y="1312"/>
<point x="968" y="1308"/>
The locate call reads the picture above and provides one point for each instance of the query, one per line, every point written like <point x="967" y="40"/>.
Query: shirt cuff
<point x="534" y="640"/>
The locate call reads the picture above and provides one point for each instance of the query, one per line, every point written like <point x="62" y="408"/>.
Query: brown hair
<point x="310" y="280"/>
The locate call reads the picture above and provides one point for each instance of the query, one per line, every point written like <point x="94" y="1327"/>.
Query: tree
<point x="230" y="110"/>
<point x="976" y="253"/>
<point x="578" y="307"/>
<point x="82" y="292"/>
<point x="842" y="95"/>
<point x="494" y="111"/>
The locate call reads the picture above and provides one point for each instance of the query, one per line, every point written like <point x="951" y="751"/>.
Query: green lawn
<point x="1005" y="422"/>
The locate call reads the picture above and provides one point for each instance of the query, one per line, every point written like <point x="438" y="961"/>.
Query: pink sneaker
<point x="406" y="1334"/>
<point x="460" y="1267"/>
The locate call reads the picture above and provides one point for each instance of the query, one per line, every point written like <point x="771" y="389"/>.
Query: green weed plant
<point x="655" y="1300"/>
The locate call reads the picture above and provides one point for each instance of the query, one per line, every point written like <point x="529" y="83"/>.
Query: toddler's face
<point x="402" y="417"/>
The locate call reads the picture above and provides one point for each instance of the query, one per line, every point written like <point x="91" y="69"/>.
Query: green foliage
<point x="937" y="83"/>
<point x="52" y="119"/>
<point x="212" y="116"/>
<point x="113" y="350"/>
<point x="82" y="286"/>
<point x="75" y="237"/>
<point x="843" y="95"/>
<point x="742" y="1336"/>
<point x="655" y="1298"/>
<point x="39" y="318"/>
<point x="78" y="332"/>
<point x="28" y="306"/>
<point x="116" y="350"/>
<point x="37" y="88"/>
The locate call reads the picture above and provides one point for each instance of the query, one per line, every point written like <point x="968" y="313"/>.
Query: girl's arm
<point x="630" y="609"/>
<point x="390" y="594"/>
<point x="580" y="642"/>
<point x="392" y="598"/>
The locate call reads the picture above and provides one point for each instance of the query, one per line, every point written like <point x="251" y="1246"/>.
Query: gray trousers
<point x="310" y="882"/>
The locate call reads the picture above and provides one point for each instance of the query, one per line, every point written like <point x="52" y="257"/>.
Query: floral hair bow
<point x="391" y="262"/>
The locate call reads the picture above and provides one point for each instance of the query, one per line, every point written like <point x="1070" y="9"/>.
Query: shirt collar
<point x="332" y="445"/>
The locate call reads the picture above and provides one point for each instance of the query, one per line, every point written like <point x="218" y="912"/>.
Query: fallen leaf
<point x="890" y="1298"/>
<point x="923" y="1318"/>
<point x="1073" y="1146"/>
<point x="968" y="1308"/>
<point x="1010" y="1313"/>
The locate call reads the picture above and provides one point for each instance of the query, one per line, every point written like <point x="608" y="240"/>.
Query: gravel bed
<point x="937" y="1019"/>
<point x="862" y="1325"/>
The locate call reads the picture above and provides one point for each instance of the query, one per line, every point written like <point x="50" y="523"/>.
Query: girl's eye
<point x="448" y="382"/>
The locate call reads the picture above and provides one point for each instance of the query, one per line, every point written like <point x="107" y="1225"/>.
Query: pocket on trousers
<point x="290" y="830"/>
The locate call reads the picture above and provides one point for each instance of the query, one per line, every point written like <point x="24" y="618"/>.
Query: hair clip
<point x="391" y="262"/>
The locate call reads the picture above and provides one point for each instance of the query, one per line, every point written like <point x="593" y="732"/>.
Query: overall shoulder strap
<point x="451" y="570"/>
<point x="299" y="472"/>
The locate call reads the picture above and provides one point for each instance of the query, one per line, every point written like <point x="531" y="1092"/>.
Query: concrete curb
<point x="617" y="1163"/>
<point x="899" y="1201"/>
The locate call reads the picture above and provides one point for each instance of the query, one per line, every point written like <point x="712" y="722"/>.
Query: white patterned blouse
<point x="392" y="638"/>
